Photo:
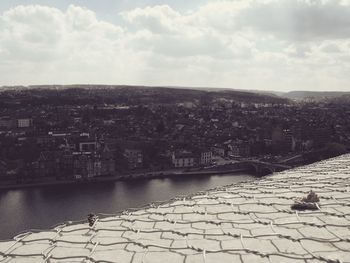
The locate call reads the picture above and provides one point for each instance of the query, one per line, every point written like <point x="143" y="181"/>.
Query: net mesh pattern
<point x="246" y="222"/>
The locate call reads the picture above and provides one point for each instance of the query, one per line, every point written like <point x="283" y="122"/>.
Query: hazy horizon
<point x="175" y="87"/>
<point x="266" y="45"/>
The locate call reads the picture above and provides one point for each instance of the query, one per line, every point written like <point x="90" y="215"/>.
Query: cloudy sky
<point x="244" y="44"/>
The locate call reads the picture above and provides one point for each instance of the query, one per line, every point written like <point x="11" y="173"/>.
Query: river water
<point x="43" y="207"/>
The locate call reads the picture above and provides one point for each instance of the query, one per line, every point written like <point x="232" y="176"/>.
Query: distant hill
<point x="133" y="94"/>
<point x="313" y="95"/>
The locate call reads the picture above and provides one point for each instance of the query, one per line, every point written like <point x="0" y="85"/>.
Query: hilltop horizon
<point x="274" y="91"/>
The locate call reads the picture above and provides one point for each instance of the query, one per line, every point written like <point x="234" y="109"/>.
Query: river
<point x="43" y="207"/>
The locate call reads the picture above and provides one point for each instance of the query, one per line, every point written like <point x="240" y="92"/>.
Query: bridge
<point x="262" y="168"/>
<point x="292" y="160"/>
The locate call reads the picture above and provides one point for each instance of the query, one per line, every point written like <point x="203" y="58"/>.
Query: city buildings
<point x="86" y="133"/>
<point x="183" y="159"/>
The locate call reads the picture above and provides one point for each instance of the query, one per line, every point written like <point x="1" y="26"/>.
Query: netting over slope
<point x="245" y="222"/>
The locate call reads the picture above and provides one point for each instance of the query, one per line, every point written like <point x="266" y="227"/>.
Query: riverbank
<point x="135" y="176"/>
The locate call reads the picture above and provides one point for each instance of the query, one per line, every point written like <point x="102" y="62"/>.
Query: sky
<point x="279" y="45"/>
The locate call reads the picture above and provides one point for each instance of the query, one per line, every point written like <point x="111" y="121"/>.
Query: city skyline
<point x="250" y="45"/>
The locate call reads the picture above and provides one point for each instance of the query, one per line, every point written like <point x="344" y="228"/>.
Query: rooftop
<point x="246" y="222"/>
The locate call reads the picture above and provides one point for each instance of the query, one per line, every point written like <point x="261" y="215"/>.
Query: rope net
<point x="251" y="221"/>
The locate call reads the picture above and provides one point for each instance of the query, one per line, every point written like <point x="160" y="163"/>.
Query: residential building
<point x="240" y="149"/>
<point x="24" y="123"/>
<point x="206" y="157"/>
<point x="107" y="162"/>
<point x="219" y="150"/>
<point x="134" y="158"/>
<point x="49" y="163"/>
<point x="7" y="122"/>
<point x="183" y="159"/>
<point x="87" y="146"/>
<point x="86" y="165"/>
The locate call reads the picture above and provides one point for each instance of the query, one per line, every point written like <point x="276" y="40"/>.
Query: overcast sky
<point x="277" y="45"/>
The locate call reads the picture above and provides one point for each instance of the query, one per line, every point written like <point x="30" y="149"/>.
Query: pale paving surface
<point x="246" y="222"/>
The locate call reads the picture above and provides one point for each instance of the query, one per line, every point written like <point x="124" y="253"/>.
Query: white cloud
<point x="160" y="19"/>
<point x="47" y="45"/>
<point x="302" y="44"/>
<point x="301" y="20"/>
<point x="25" y="36"/>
